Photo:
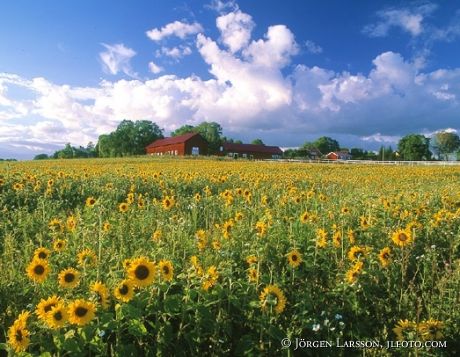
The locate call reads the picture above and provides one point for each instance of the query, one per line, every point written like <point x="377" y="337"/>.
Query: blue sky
<point x="363" y="72"/>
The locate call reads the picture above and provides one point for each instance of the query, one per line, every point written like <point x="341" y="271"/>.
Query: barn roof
<point x="172" y="140"/>
<point x="232" y="147"/>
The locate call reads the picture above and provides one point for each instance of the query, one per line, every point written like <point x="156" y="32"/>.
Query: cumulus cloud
<point x="177" y="28"/>
<point x="235" y="28"/>
<point x="252" y="92"/>
<point x="312" y="47"/>
<point x="407" y="19"/>
<point x="222" y="6"/>
<point x="117" y="58"/>
<point x="154" y="68"/>
<point x="174" y="52"/>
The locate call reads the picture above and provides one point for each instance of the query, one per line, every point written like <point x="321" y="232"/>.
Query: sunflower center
<point x="42" y="255"/>
<point x="69" y="277"/>
<point x="49" y="307"/>
<point x="123" y="290"/>
<point x="18" y="335"/>
<point x="81" y="311"/>
<point x="39" y="269"/>
<point x="142" y="272"/>
<point x="402" y="237"/>
<point x="294" y="258"/>
<point x="166" y="270"/>
<point x="385" y="256"/>
<point x="58" y="316"/>
<point x="432" y="330"/>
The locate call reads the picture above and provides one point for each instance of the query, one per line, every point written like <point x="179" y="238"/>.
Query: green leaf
<point x="137" y="328"/>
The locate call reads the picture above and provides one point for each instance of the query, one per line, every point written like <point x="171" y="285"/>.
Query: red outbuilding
<point x="251" y="151"/>
<point x="187" y="144"/>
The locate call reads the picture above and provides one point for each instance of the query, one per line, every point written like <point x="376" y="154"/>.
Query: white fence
<point x="374" y="162"/>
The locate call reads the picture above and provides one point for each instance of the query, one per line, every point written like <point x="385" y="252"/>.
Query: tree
<point x="326" y="144"/>
<point x="446" y="143"/>
<point x="257" y="142"/>
<point x="41" y="157"/>
<point x="130" y="138"/>
<point x="211" y="131"/>
<point x="184" y="129"/>
<point x="414" y="147"/>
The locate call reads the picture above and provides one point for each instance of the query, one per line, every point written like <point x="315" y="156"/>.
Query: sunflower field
<point x="169" y="256"/>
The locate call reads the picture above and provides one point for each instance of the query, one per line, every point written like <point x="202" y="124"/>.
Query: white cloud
<point x="174" y="52"/>
<point x="407" y="19"/>
<point x="275" y="51"/>
<point x="248" y="93"/>
<point x="222" y="6"/>
<point x="117" y="58"/>
<point x="176" y="28"/>
<point x="154" y="68"/>
<point x="312" y="47"/>
<point x="235" y="28"/>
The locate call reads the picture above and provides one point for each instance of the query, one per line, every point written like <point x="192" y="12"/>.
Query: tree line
<point x="130" y="138"/>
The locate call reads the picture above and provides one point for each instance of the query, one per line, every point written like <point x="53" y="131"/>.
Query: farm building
<point x="314" y="154"/>
<point x="187" y="144"/>
<point x="251" y="151"/>
<point x="338" y="155"/>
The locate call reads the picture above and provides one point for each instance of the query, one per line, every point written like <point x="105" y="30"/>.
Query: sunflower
<point x="18" y="336"/>
<point x="304" y="217"/>
<point x="126" y="264"/>
<point x="55" y="225"/>
<point x="38" y="269"/>
<point x="321" y="238"/>
<point x="42" y="253"/>
<point x="123" y="207"/>
<point x="211" y="277"/>
<point x="197" y="197"/>
<point x="402" y="237"/>
<point x="216" y="245"/>
<point x="57" y="316"/>
<point x="385" y="256"/>
<point x="102" y="293"/>
<point x="404" y="329"/>
<point x="124" y="291"/>
<point x="106" y="227"/>
<point x="90" y="201"/>
<point x="252" y="259"/>
<point x="156" y="236"/>
<point x="81" y="312"/>
<point x="196" y="265"/>
<point x="71" y="223"/>
<point x="166" y="270"/>
<point x="45" y="306"/>
<point x="356" y="253"/>
<point x="253" y="275"/>
<point x="273" y="296"/>
<point x="294" y="258"/>
<point x="352" y="274"/>
<point x="261" y="228"/>
<point x="141" y="271"/>
<point x="238" y="216"/>
<point x="227" y="227"/>
<point x="69" y="278"/>
<point x="431" y="330"/>
<point x="351" y="236"/>
<point x="168" y="202"/>
<point x="337" y="239"/>
<point x="59" y="245"/>
<point x="345" y="210"/>
<point x="87" y="257"/>
<point x="202" y="241"/>
<point x="364" y="222"/>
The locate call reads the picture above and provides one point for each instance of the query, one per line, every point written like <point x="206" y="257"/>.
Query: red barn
<point x="338" y="155"/>
<point x="187" y="144"/>
<point x="251" y="151"/>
